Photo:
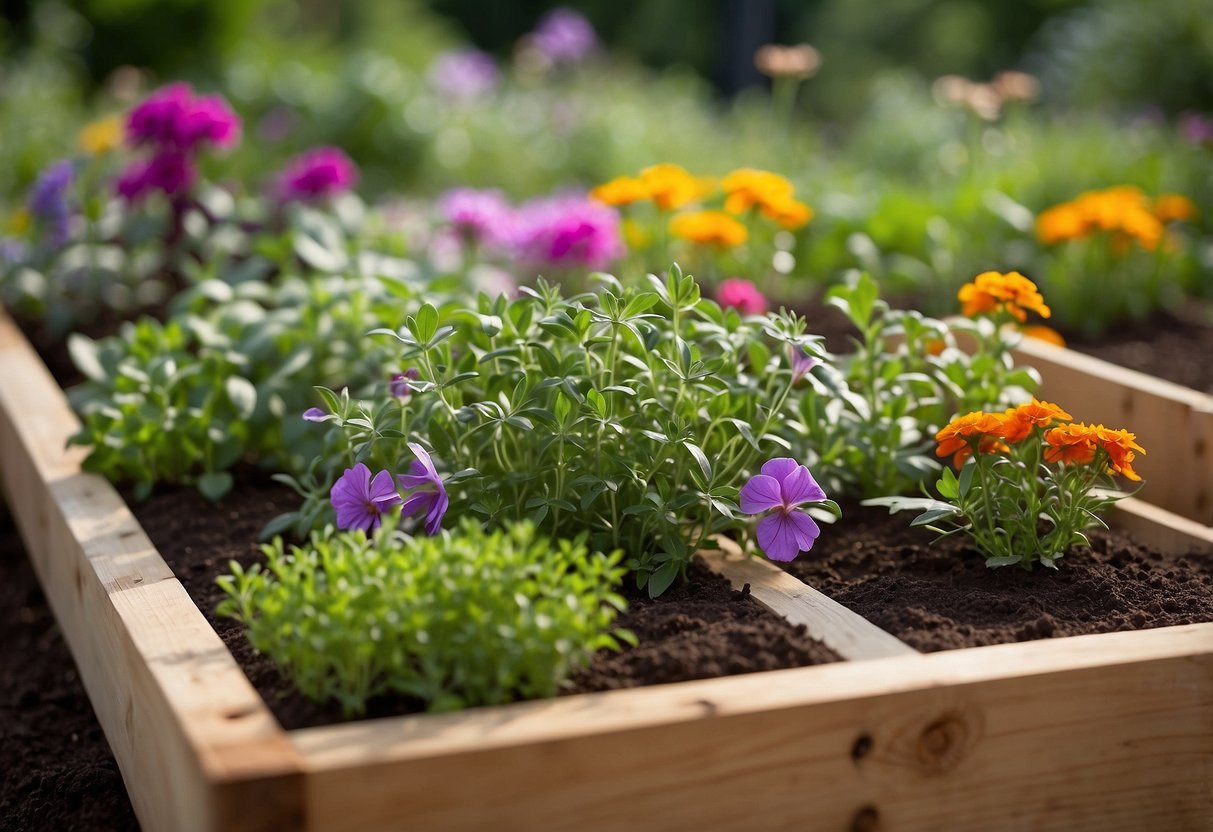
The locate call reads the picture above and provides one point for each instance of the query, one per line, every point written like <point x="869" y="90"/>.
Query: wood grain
<point x="189" y="732"/>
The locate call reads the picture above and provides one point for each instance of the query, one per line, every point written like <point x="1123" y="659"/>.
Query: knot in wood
<point x="942" y="744"/>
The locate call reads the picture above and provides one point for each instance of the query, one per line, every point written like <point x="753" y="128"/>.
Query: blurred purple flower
<point x="423" y="476"/>
<point x="313" y="414"/>
<point x="399" y="385"/>
<point x="479" y="216"/>
<point x="782" y="486"/>
<point x="359" y="500"/>
<point x="172" y="117"/>
<point x="464" y="74"/>
<point x="48" y="200"/>
<point x="567" y="232"/>
<point x="319" y="173"/>
<point x="801" y="362"/>
<point x="1196" y="128"/>
<point x="13" y="251"/>
<point x="169" y="171"/>
<point x="564" y="36"/>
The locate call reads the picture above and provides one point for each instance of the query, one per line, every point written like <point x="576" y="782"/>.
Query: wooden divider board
<point x="195" y="743"/>
<point x="1103" y="732"/>
<point x="1173" y="423"/>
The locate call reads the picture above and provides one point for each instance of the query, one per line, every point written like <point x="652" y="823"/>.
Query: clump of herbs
<point x="465" y="618"/>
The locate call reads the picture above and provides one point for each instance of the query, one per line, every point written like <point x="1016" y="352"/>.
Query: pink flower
<point x="320" y="173"/>
<point x="567" y="232"/>
<point x="169" y="171"/>
<point x="173" y="118"/>
<point x="742" y="295"/>
<point x="359" y="500"/>
<point x="481" y="216"/>
<point x="781" y="487"/>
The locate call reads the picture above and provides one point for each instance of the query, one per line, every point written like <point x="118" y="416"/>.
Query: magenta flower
<point x="433" y="502"/>
<point x="479" y="216"/>
<point x="320" y="173"/>
<point x="741" y="295"/>
<point x="801" y="362"/>
<point x="399" y="385"/>
<point x="359" y="500"/>
<point x="783" y="485"/>
<point x="567" y="232"/>
<point x="463" y="74"/>
<point x="169" y="171"/>
<point x="173" y="118"/>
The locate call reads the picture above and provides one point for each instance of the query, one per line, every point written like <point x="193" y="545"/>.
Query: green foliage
<point x="466" y="618"/>
<point x="629" y="414"/>
<point x="867" y="427"/>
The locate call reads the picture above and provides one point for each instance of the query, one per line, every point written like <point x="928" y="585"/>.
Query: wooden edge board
<point x="1166" y="531"/>
<point x="847" y="633"/>
<point x="193" y="739"/>
<point x="1108" y="732"/>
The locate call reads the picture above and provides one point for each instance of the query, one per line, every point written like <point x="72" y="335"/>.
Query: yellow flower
<point x="746" y="188"/>
<point x="101" y="136"/>
<point x="709" y="228"/>
<point x="18" y="222"/>
<point x="670" y="186"/>
<point x="789" y="213"/>
<point x="1169" y="207"/>
<point x="991" y="293"/>
<point x="622" y="190"/>
<point x="635" y="235"/>
<point x="1123" y="211"/>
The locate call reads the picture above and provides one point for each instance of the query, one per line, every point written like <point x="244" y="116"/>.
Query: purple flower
<point x="13" y="251"/>
<point x="564" y="36"/>
<point x="783" y="485"/>
<point x="48" y="200"/>
<point x="314" y="414"/>
<point x="399" y="385"/>
<point x="567" y="232"/>
<point x="169" y="171"/>
<point x="422" y="475"/>
<point x="480" y="216"/>
<point x="1196" y="128"/>
<point x="801" y="362"/>
<point x="359" y="500"/>
<point x="464" y="74"/>
<point x="320" y="173"/>
<point x="173" y="118"/>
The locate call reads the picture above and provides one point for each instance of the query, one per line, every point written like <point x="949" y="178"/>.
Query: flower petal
<point x="800" y="487"/>
<point x="382" y="491"/>
<point x="780" y="467"/>
<point x="433" y="520"/>
<point x="805" y="528"/>
<point x="777" y="537"/>
<point x="314" y="414"/>
<point x="418" y="502"/>
<point x="759" y="494"/>
<point x="424" y="458"/>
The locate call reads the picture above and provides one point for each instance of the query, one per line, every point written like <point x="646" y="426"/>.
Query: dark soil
<point x="58" y="769"/>
<point x="939" y="596"/>
<point x="1173" y="347"/>
<point x="696" y="631"/>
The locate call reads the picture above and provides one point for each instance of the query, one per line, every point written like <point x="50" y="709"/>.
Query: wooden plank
<point x="1108" y="732"/>
<point x="847" y="633"/>
<point x="193" y="739"/>
<point x="1163" y="530"/>
<point x="1173" y="423"/>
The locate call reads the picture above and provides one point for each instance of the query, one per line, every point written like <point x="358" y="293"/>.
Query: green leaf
<point x="83" y="351"/>
<point x="661" y="580"/>
<point x="242" y="394"/>
<point x="946" y="485"/>
<point x="214" y="485"/>
<point x="425" y="325"/>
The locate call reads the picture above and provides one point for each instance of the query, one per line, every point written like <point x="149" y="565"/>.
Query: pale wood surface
<point x="189" y="732"/>
<point x="1109" y="732"/>
<point x="1173" y="423"/>
<point x="847" y="633"/>
<point x="1165" y="531"/>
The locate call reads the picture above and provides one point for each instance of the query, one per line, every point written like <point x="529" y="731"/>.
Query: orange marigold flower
<point x="1121" y="447"/>
<point x="709" y="228"/>
<point x="622" y="190"/>
<point x="1044" y="333"/>
<point x="1061" y="222"/>
<point x="993" y="292"/>
<point x="1018" y="422"/>
<point x="958" y="437"/>
<point x="1170" y="207"/>
<point x="789" y="213"/>
<point x="1073" y="443"/>
<point x="670" y="186"/>
<point x="1123" y="211"/>
<point x="746" y="188"/>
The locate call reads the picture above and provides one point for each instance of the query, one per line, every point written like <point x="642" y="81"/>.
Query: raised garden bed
<point x="1110" y="731"/>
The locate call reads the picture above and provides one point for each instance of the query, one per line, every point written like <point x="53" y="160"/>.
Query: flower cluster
<point x="995" y="294"/>
<point x="748" y="189"/>
<point x="464" y="74"/>
<point x="1124" y="212"/>
<point x="360" y="500"/>
<point x="48" y="202"/>
<point x="175" y="125"/>
<point x="318" y="174"/>
<point x="669" y="186"/>
<point x="1029" y="481"/>
<point x="564" y="36"/>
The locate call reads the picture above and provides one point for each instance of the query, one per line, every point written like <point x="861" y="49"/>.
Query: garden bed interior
<point x="1109" y="731"/>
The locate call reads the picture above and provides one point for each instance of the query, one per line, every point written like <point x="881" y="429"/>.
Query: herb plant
<point x="465" y="618"/>
<point x="1031" y="481"/>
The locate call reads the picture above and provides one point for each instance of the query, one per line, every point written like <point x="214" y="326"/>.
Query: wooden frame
<point x="1107" y="732"/>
